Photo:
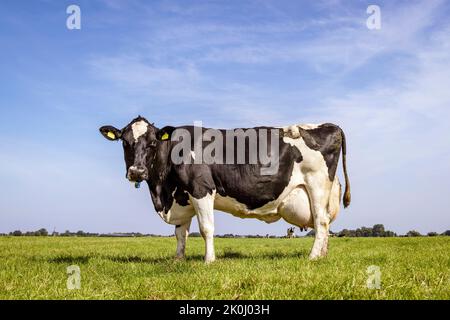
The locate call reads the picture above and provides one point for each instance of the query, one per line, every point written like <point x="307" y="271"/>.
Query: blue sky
<point x="228" y="64"/>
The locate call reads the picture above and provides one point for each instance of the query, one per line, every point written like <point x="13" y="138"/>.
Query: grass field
<point x="143" y="268"/>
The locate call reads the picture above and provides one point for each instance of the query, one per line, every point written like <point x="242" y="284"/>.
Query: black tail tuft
<point x="347" y="195"/>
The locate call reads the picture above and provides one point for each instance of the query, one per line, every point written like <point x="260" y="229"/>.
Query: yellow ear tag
<point x="111" y="135"/>
<point x="165" y="136"/>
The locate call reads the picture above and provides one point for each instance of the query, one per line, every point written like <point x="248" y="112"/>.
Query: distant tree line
<point x="80" y="233"/>
<point x="40" y="232"/>
<point x="377" y="230"/>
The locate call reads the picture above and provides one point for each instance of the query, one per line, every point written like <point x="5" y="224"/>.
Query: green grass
<point x="143" y="268"/>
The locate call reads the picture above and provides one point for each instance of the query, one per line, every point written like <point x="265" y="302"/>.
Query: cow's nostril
<point x="137" y="173"/>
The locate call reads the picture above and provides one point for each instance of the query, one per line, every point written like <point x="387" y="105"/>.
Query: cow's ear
<point x="165" y="133"/>
<point x="111" y="133"/>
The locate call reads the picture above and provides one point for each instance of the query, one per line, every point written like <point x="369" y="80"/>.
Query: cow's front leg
<point x="182" y="232"/>
<point x="204" y="208"/>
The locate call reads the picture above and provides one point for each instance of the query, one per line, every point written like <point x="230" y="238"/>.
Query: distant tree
<point x="378" y="230"/>
<point x="363" y="232"/>
<point x="80" y="233"/>
<point x="195" y="234"/>
<point x="390" y="234"/>
<point x="41" y="232"/>
<point x="432" y="234"/>
<point x="446" y="233"/>
<point x="228" y="235"/>
<point x="413" y="233"/>
<point x="367" y="232"/>
<point x="344" y="233"/>
<point x="16" y="233"/>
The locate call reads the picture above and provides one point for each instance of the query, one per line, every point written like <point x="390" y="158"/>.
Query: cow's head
<point x="140" y="146"/>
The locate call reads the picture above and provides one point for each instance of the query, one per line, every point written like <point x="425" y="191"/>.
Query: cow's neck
<point x="159" y="178"/>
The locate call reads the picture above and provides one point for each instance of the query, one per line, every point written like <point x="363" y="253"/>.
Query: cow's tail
<point x="347" y="195"/>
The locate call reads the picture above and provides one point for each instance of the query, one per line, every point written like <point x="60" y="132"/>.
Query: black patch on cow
<point x="181" y="197"/>
<point x="326" y="138"/>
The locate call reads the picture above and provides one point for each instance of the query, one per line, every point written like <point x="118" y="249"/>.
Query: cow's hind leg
<point x="182" y="232"/>
<point x="204" y="208"/>
<point x="333" y="210"/>
<point x="319" y="188"/>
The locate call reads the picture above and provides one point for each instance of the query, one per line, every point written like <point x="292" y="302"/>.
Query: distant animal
<point x="304" y="191"/>
<point x="290" y="233"/>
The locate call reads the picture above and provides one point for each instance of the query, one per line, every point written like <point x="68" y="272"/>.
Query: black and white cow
<point x="304" y="191"/>
<point x="290" y="233"/>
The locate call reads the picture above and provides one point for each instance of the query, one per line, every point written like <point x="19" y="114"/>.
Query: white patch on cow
<point x="177" y="214"/>
<point x="181" y="232"/>
<point x="309" y="126"/>
<point x="204" y="208"/>
<point x="313" y="160"/>
<point x="139" y="128"/>
<point x="193" y="155"/>
<point x="267" y="213"/>
<point x="293" y="130"/>
<point x="334" y="205"/>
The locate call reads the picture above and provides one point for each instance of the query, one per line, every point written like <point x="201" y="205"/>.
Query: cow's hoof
<point x="315" y="257"/>
<point x="210" y="260"/>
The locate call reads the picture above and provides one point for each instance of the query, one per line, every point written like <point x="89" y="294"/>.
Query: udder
<point x="295" y="208"/>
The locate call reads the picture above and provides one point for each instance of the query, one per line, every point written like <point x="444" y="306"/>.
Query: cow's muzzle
<point x="137" y="173"/>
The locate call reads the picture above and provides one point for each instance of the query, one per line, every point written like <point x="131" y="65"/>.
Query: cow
<point x="304" y="189"/>
<point x="290" y="233"/>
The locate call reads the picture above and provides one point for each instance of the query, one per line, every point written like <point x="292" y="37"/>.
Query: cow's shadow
<point x="68" y="259"/>
<point x="225" y="255"/>
<point x="230" y="254"/>
<point x="137" y="259"/>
